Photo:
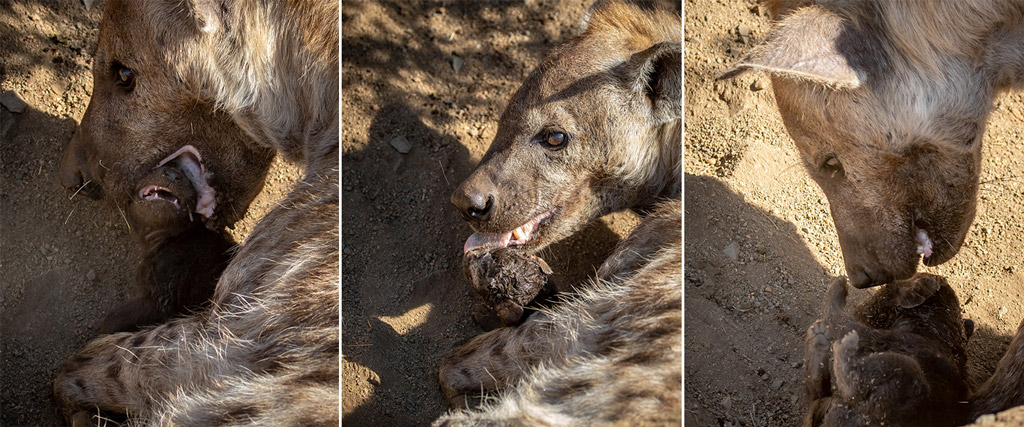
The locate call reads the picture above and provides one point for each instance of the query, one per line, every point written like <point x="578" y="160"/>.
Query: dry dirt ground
<point x="761" y="247"/>
<point x="63" y="261"/>
<point x="405" y="303"/>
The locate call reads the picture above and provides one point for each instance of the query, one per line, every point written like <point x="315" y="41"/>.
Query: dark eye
<point x="554" y="140"/>
<point x="125" y="77"/>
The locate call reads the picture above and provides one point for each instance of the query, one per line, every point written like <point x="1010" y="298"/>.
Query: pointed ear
<point x="813" y="45"/>
<point x="657" y="73"/>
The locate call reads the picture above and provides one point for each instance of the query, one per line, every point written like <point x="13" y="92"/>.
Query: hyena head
<point x="889" y="123"/>
<point x="152" y="106"/>
<point x="594" y="129"/>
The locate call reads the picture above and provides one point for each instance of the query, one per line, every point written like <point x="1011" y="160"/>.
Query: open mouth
<point x="156" y="192"/>
<point x="187" y="159"/>
<point x="520" y="236"/>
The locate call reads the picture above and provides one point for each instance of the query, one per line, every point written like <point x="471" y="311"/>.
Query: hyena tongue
<point x="487" y="241"/>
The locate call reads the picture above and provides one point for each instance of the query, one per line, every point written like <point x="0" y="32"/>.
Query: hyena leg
<point x="817" y="378"/>
<point x="492" y="360"/>
<point x="123" y="372"/>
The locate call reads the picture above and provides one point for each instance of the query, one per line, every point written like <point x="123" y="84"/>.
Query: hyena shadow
<point x="752" y="287"/>
<point x="405" y="302"/>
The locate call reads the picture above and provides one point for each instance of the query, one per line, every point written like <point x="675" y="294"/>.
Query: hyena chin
<point x="610" y="355"/>
<point x="218" y="88"/>
<point x="887" y="103"/>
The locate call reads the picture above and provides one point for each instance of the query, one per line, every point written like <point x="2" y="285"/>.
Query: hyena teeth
<point x="517" y="233"/>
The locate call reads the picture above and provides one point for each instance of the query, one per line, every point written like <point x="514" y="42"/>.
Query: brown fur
<point x="887" y="103"/>
<point x="610" y="355"/>
<point x="181" y="262"/>
<point x="1005" y="389"/>
<point x="898" y="360"/>
<point x="266" y="351"/>
<point x="614" y="91"/>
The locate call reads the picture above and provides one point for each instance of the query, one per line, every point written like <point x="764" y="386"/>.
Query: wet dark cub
<point x="182" y="259"/>
<point x="508" y="280"/>
<point x="898" y="359"/>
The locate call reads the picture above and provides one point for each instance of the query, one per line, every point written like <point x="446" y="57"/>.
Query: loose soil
<point x="64" y="259"/>
<point x="761" y="247"/>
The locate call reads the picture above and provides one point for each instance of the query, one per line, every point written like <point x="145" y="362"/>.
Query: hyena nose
<point x="473" y="205"/>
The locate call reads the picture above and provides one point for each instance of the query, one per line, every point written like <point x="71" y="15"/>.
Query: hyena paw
<point x="816" y="369"/>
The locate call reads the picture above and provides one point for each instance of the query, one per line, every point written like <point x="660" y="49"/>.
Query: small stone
<point x="457" y="63"/>
<point x="401" y="144"/>
<point x="777" y="384"/>
<point x="727" y="403"/>
<point x="743" y="30"/>
<point x="1003" y="311"/>
<point x="12" y="102"/>
<point x="91" y="275"/>
<point x="732" y="251"/>
<point x="758" y="85"/>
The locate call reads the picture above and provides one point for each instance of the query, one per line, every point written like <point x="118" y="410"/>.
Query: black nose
<point x="473" y="204"/>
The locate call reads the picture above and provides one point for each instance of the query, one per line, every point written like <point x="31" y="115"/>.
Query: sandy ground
<point x="761" y="247"/>
<point x="63" y="261"/>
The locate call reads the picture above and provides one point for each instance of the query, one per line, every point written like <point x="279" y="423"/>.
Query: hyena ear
<point x="206" y="15"/>
<point x="657" y="73"/>
<point x="811" y="44"/>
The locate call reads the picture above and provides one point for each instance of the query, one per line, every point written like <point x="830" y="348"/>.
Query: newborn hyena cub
<point x="898" y="360"/>
<point x="507" y="280"/>
<point x="181" y="260"/>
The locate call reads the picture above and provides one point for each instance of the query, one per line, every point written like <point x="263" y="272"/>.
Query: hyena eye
<point x="125" y="77"/>
<point x="554" y="140"/>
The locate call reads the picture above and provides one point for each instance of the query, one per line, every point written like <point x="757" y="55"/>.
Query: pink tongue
<point x="487" y="240"/>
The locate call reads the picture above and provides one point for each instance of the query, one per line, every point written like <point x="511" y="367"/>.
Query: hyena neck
<point x="276" y="72"/>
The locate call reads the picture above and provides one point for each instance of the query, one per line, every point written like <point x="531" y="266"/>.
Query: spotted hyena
<point x="887" y="103"/>
<point x="595" y="128"/>
<point x="898" y="359"/>
<point x="217" y="88"/>
<point x="610" y="355"/>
